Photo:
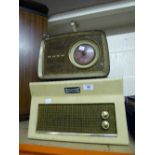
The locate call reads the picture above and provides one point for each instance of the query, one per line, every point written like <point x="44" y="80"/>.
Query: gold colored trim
<point x="72" y="50"/>
<point x="41" y="60"/>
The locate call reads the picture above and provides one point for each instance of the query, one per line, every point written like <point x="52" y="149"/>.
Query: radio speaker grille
<point x="75" y="118"/>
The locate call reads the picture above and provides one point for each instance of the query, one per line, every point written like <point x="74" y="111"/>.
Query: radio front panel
<point x="74" y="55"/>
<point x="79" y="117"/>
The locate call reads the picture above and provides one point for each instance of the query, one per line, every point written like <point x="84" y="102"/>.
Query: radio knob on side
<point x="105" y="125"/>
<point x="105" y="114"/>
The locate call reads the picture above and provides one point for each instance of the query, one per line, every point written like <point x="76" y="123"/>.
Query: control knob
<point x="105" y="125"/>
<point x="105" y="114"/>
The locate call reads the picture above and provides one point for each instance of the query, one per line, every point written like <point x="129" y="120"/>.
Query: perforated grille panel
<point x="56" y="54"/>
<point x="75" y="118"/>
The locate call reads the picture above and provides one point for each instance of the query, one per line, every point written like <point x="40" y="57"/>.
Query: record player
<point x="85" y="111"/>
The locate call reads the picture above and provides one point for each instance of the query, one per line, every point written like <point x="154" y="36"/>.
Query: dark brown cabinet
<point x="32" y="25"/>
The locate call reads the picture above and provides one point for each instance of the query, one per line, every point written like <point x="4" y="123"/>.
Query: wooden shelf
<point x="101" y="148"/>
<point x="26" y="149"/>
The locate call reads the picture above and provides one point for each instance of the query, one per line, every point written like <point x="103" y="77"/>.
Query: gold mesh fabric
<point x="76" y="118"/>
<point x="61" y="46"/>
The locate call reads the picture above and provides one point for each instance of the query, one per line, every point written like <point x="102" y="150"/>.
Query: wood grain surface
<point x="31" y="28"/>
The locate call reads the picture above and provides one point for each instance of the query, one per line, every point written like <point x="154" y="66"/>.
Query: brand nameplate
<point x="71" y="90"/>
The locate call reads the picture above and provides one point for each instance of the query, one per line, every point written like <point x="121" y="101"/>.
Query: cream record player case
<point x="91" y="92"/>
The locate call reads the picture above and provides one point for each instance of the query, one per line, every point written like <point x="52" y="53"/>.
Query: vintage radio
<point x="88" y="111"/>
<point x="74" y="55"/>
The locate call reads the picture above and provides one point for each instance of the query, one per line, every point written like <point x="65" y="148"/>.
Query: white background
<point x="145" y="77"/>
<point x="9" y="77"/>
<point x="121" y="44"/>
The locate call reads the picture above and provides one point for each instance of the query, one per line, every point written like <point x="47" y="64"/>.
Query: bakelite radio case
<point x="72" y="111"/>
<point x="56" y="58"/>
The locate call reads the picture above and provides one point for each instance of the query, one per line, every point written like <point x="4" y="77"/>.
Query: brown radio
<point x="74" y="55"/>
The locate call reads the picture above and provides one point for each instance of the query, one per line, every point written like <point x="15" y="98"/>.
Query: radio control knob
<point x="105" y="125"/>
<point x="105" y="114"/>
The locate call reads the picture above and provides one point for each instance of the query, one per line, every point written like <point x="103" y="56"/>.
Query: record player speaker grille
<point x="75" y="118"/>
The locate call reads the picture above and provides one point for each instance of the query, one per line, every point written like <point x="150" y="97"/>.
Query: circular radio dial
<point x="84" y="54"/>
